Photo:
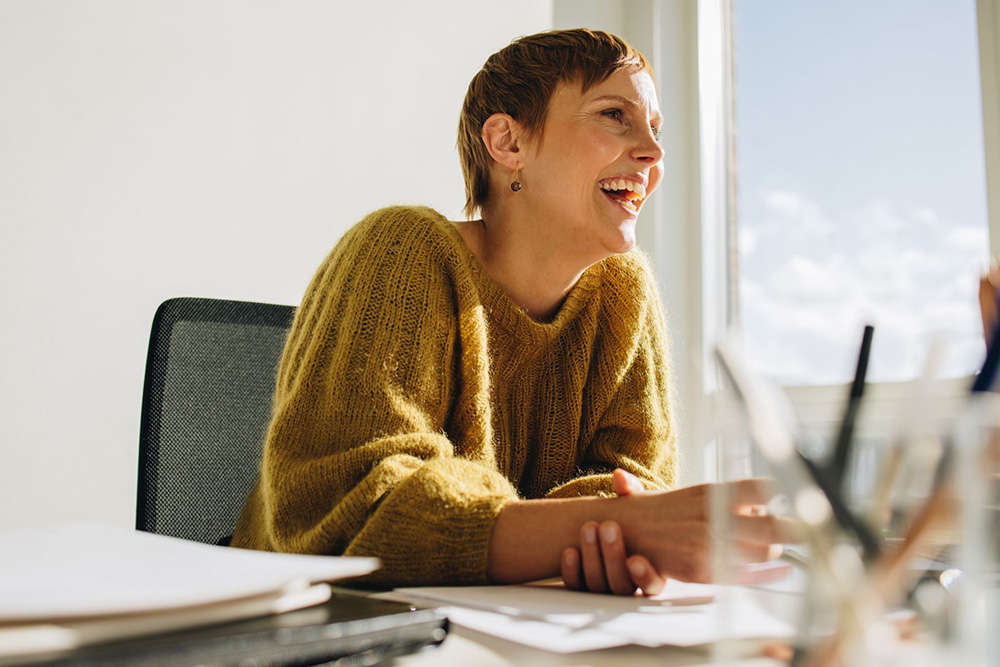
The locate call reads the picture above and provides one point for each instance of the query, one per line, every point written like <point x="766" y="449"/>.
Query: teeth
<point x="621" y="184"/>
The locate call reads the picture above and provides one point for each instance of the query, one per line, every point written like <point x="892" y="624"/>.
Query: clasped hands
<point x="666" y="534"/>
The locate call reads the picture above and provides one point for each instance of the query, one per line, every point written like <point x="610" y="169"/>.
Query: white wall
<point x="208" y="148"/>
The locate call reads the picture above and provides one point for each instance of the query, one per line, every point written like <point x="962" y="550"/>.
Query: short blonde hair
<point x="519" y="80"/>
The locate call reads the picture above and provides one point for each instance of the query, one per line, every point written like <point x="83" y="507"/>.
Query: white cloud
<point x="880" y="216"/>
<point x="967" y="240"/>
<point x="811" y="278"/>
<point x="807" y="278"/>
<point x="783" y="201"/>
<point x="794" y="206"/>
<point x="923" y="214"/>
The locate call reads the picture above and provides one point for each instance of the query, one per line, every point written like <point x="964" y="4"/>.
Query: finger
<point x="613" y="552"/>
<point x="755" y="552"/>
<point x="762" y="573"/>
<point x="645" y="576"/>
<point x="738" y="494"/>
<point x="625" y="483"/>
<point x="767" y="529"/>
<point x="590" y="555"/>
<point x="569" y="566"/>
<point x="751" y="510"/>
<point x="780" y="652"/>
<point x="752" y="491"/>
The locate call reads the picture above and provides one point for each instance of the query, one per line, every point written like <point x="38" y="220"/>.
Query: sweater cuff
<point x="434" y="528"/>
<point x="589" y="485"/>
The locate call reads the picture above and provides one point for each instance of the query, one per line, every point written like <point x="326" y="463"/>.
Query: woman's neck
<point x="529" y="268"/>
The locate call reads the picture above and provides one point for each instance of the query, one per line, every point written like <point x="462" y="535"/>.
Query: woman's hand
<point x="667" y="533"/>
<point x="682" y="547"/>
<point x="673" y="528"/>
<point x="601" y="565"/>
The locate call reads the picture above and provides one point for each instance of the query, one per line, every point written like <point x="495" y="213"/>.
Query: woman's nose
<point x="648" y="150"/>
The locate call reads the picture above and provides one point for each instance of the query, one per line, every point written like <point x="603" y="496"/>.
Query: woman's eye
<point x="656" y="132"/>
<point x="614" y="114"/>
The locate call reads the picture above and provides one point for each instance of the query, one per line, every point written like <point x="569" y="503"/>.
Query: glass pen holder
<point x="751" y="598"/>
<point x="933" y="594"/>
<point x="839" y="606"/>
<point x="812" y="593"/>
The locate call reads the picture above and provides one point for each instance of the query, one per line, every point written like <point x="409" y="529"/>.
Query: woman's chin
<point x="624" y="238"/>
<point x="620" y="233"/>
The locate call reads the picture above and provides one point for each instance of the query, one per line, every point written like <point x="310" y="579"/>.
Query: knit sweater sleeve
<point x="357" y="460"/>
<point x="635" y="430"/>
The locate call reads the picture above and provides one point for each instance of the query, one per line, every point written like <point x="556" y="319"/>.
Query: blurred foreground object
<point x="989" y="294"/>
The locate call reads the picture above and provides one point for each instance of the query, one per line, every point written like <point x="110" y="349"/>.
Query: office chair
<point x="206" y="404"/>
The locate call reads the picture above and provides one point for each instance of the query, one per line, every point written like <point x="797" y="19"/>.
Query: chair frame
<point x="169" y="313"/>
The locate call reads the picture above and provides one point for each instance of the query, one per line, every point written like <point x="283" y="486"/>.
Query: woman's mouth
<point x="626" y="193"/>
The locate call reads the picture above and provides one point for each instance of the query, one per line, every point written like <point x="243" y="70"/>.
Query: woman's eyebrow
<point x="618" y="98"/>
<point x="626" y="101"/>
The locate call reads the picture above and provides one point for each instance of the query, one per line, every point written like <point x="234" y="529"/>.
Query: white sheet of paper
<point x="89" y="569"/>
<point x="24" y="639"/>
<point x="563" y="621"/>
<point x="556" y="604"/>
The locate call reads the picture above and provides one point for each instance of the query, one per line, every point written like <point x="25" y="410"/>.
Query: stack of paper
<point x="555" y="619"/>
<point x="75" y="584"/>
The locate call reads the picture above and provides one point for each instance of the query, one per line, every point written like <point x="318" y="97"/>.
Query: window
<point x="861" y="189"/>
<point x="858" y="177"/>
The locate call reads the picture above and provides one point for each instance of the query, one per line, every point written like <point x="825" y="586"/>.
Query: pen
<point x="907" y="448"/>
<point x="843" y="515"/>
<point x="842" y="448"/>
<point x="930" y="511"/>
<point x="776" y="439"/>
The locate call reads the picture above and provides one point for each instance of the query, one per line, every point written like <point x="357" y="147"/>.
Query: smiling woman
<point x="488" y="400"/>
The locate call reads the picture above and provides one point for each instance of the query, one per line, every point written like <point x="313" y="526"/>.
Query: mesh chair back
<point x="210" y="377"/>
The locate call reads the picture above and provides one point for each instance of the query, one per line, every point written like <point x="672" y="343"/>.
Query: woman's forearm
<point x="529" y="536"/>
<point x="669" y="528"/>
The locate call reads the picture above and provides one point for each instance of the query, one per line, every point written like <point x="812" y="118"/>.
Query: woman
<point x="465" y="400"/>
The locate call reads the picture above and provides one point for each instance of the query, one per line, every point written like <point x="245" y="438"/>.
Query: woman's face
<point x="595" y="163"/>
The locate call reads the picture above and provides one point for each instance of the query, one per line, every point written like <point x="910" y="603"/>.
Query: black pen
<point x="870" y="544"/>
<point x="837" y="467"/>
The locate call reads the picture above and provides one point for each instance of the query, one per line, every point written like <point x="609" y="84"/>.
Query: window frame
<point x="988" y="25"/>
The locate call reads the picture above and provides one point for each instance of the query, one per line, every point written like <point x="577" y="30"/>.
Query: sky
<point x="861" y="185"/>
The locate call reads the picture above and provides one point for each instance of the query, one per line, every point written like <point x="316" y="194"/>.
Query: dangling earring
<point x="515" y="185"/>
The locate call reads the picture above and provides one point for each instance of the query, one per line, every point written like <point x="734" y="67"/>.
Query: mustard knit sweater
<point x="414" y="400"/>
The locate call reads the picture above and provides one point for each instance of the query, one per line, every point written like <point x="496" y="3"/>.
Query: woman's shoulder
<point x="405" y="247"/>
<point x="630" y="301"/>
<point x="415" y="242"/>
<point x="414" y="214"/>
<point x="396" y="237"/>
<point x="403" y="223"/>
<point x="630" y="273"/>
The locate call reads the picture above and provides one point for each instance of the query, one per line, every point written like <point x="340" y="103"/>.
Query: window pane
<point x="861" y="181"/>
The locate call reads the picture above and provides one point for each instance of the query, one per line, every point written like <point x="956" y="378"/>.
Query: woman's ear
<point x="502" y="137"/>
